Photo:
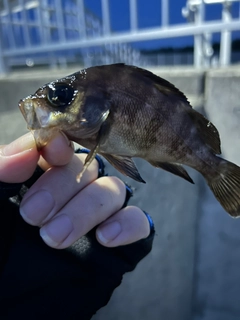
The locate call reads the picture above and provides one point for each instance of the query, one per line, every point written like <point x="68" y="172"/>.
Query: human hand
<point x="64" y="209"/>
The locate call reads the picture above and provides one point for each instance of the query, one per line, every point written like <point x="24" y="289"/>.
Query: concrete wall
<point x="217" y="276"/>
<point x="192" y="271"/>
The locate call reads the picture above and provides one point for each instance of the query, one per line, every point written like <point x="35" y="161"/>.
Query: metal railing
<point x="57" y="32"/>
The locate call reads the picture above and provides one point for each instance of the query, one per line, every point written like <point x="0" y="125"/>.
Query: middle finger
<point x="94" y="204"/>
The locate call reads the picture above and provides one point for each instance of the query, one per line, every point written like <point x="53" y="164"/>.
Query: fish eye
<point x="60" y="94"/>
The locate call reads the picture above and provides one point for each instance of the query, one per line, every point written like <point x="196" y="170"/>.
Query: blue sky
<point x="149" y="15"/>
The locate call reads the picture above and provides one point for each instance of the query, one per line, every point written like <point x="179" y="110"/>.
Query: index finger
<point x="58" y="152"/>
<point x="18" y="160"/>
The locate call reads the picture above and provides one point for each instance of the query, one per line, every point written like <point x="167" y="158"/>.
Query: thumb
<point x="18" y="159"/>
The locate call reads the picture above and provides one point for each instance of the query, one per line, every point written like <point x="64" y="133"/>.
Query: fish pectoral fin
<point x="125" y="165"/>
<point x="207" y="130"/>
<point x="176" y="169"/>
<point x="89" y="128"/>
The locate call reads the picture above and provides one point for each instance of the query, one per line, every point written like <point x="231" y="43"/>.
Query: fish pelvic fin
<point x="176" y="169"/>
<point x="90" y="157"/>
<point x="226" y="187"/>
<point x="207" y="130"/>
<point x="125" y="165"/>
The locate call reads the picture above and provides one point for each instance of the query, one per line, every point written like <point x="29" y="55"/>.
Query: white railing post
<point x="207" y="49"/>
<point x="105" y="17"/>
<point x="133" y="15"/>
<point x="165" y="13"/>
<point x="81" y="19"/>
<point x="198" y="39"/>
<point x="225" y="45"/>
<point x="3" y="67"/>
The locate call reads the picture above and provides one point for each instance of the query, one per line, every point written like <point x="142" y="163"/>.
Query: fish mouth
<point x="38" y="121"/>
<point x="36" y="117"/>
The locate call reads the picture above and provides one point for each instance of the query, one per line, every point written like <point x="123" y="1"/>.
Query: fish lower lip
<point x="28" y="111"/>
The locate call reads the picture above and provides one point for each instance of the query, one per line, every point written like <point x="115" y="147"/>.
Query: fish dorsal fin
<point x="164" y="86"/>
<point x="176" y="169"/>
<point x="125" y="165"/>
<point x="207" y="131"/>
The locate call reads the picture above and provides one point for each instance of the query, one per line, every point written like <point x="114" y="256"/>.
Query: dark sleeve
<point x="39" y="282"/>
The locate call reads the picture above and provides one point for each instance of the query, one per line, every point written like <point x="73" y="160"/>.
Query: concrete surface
<point x="192" y="271"/>
<point x="217" y="277"/>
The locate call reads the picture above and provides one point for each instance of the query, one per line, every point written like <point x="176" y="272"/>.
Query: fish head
<point x="58" y="106"/>
<point x="74" y="105"/>
<point x="57" y="103"/>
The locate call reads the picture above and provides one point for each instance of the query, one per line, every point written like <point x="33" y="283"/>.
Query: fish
<point x="121" y="112"/>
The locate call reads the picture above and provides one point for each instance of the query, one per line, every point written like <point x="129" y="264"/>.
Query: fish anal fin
<point x="176" y="169"/>
<point x="207" y="130"/>
<point x="125" y="165"/>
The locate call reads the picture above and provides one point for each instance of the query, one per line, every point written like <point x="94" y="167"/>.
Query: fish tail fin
<point x="226" y="187"/>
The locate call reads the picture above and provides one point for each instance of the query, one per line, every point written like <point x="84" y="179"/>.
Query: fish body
<point x="123" y="112"/>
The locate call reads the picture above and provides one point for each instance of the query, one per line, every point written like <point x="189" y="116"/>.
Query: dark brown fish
<point x="122" y="112"/>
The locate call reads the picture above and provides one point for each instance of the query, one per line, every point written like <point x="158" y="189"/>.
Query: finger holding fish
<point x="19" y="159"/>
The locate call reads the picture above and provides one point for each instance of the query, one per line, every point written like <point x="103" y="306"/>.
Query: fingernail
<point x="57" y="230"/>
<point x="37" y="207"/>
<point x="109" y="231"/>
<point x="23" y="143"/>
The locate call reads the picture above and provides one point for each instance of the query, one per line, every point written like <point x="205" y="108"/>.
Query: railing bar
<point x="42" y="26"/>
<point x="133" y="15"/>
<point x="3" y="66"/>
<point x="218" y="1"/>
<point x="19" y="23"/>
<point x="25" y="23"/>
<point x="60" y="20"/>
<point x="105" y="17"/>
<point x="9" y="21"/>
<point x="198" y="38"/>
<point x="153" y="33"/>
<point x="46" y="16"/>
<point x="225" y="44"/>
<point x="81" y="19"/>
<point x="34" y="24"/>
